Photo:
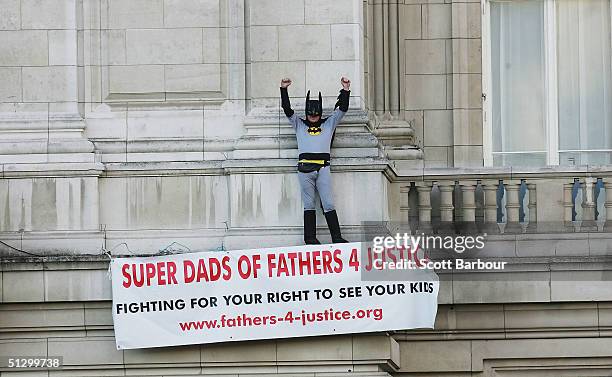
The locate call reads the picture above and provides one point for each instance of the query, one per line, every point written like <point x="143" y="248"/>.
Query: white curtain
<point x="518" y="86"/>
<point x="584" y="80"/>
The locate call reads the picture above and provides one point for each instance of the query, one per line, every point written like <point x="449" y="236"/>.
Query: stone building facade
<point x="147" y="126"/>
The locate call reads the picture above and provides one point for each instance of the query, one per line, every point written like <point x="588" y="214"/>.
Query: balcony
<point x="507" y="200"/>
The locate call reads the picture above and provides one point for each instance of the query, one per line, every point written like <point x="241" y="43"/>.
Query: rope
<point x="21" y="251"/>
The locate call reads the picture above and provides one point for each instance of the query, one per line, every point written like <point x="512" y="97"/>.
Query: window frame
<point x="550" y="82"/>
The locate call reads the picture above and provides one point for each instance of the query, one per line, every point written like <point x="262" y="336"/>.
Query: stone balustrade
<point x="504" y="200"/>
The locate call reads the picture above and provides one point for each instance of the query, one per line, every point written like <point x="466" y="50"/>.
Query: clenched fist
<point x="285" y="82"/>
<point x="346" y="83"/>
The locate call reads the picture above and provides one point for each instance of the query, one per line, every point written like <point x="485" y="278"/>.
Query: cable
<point x="169" y="250"/>
<point x="116" y="246"/>
<point x="21" y="251"/>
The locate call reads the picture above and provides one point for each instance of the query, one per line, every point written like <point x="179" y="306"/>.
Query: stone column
<point x="394" y="71"/>
<point x="512" y="201"/>
<point x="588" y="204"/>
<point x="405" y="206"/>
<point x="608" y="205"/>
<point x="424" y="192"/>
<point x="379" y="62"/>
<point x="446" y="201"/>
<point x="567" y="201"/>
<point x="468" y="190"/>
<point x="490" y="191"/>
<point x="533" y="205"/>
<point x="385" y="57"/>
<point x="605" y="221"/>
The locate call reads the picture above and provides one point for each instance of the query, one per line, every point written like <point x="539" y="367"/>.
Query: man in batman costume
<point x="314" y="137"/>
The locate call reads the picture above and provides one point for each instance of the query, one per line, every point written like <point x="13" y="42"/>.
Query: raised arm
<point x="343" y="102"/>
<point x="286" y="104"/>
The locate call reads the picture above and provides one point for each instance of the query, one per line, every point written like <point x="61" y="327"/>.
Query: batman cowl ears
<point x="314" y="107"/>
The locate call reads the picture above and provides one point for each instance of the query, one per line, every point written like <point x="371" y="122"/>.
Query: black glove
<point x="285" y="102"/>
<point x="343" y="100"/>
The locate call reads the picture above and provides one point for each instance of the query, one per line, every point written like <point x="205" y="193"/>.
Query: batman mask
<point x="313" y="108"/>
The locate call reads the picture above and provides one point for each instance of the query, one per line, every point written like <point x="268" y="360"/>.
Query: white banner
<point x="209" y="297"/>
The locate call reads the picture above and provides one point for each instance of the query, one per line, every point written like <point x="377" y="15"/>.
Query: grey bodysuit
<point x="318" y="143"/>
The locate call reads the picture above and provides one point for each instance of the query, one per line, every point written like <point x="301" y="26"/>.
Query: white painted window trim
<point x="551" y="81"/>
<point x="487" y="105"/>
<point x="550" y="66"/>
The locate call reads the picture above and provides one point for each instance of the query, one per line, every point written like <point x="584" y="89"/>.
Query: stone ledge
<point x="343" y="162"/>
<point x="518" y="354"/>
<point x="364" y="354"/>
<point x="68" y="169"/>
<point x="235" y="166"/>
<point x="453" y="322"/>
<point x="30" y="279"/>
<point x="554" y="172"/>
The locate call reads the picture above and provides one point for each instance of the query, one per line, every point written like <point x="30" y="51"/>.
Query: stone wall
<point x="528" y="326"/>
<point x="140" y="125"/>
<point x="441" y="48"/>
<point x="39" y="68"/>
<point x="148" y="122"/>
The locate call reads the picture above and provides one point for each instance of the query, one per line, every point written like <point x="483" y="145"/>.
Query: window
<point x="548" y="80"/>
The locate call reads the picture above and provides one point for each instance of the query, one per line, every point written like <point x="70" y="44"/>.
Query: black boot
<point x="310" y="227"/>
<point x="334" y="227"/>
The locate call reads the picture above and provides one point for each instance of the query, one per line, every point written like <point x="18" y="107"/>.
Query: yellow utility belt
<point x="319" y="162"/>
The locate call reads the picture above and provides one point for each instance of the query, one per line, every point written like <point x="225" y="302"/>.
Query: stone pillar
<point x="468" y="190"/>
<point x="378" y="45"/>
<point x="512" y="201"/>
<point x="394" y="60"/>
<point x="567" y="201"/>
<point x="424" y="192"/>
<point x="385" y="61"/>
<point x="533" y="205"/>
<point x="405" y="206"/>
<point x="608" y="205"/>
<point x="490" y="188"/>
<point x="588" y="204"/>
<point x="446" y="201"/>
<point x="386" y="58"/>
